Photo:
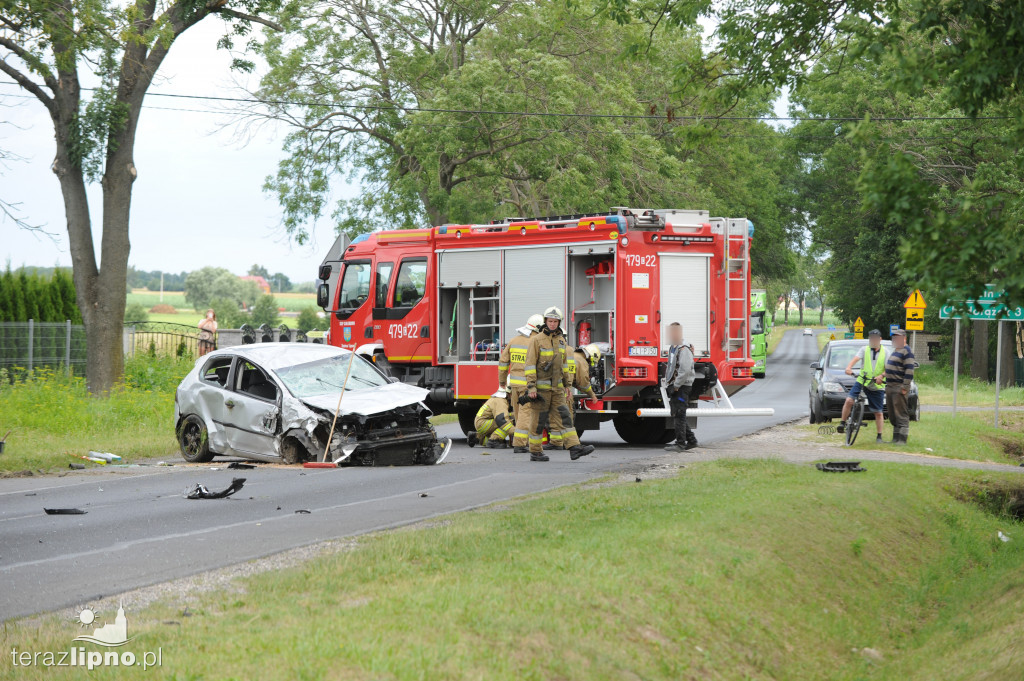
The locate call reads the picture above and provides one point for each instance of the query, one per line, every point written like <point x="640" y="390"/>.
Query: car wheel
<point x="812" y="418"/>
<point x="194" y="440"/>
<point x="916" y="415"/>
<point x="467" y="419"/>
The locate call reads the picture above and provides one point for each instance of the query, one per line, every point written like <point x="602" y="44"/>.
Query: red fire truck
<point x="433" y="307"/>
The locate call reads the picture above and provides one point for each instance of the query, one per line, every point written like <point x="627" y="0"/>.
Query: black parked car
<point x="830" y="384"/>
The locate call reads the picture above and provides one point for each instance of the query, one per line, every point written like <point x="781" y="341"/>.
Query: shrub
<point x="136" y="312"/>
<point x="163" y="308"/>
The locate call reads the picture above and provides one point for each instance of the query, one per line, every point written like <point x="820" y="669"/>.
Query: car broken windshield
<point x="326" y="376"/>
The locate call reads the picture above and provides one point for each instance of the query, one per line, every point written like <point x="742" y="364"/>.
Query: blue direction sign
<point x="831" y="327"/>
<point x="985" y="309"/>
<point x="892" y="329"/>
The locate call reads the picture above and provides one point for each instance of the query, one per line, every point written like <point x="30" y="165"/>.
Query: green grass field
<point x="291" y="302"/>
<point x="732" y="570"/>
<point x="54" y="418"/>
<point x="936" y="387"/>
<point x="969" y="435"/>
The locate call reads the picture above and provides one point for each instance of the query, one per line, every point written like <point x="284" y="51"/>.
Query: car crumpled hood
<point x="368" y="401"/>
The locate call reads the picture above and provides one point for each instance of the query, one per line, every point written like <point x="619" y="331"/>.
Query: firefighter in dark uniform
<point x="545" y="359"/>
<point x="511" y="369"/>
<point x="494" y="421"/>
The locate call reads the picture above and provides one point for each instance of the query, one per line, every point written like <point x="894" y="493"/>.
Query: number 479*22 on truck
<point x="434" y="306"/>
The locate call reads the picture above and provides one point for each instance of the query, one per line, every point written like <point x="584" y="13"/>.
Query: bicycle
<point x="856" y="418"/>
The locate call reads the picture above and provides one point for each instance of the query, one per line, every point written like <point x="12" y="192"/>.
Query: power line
<point x="547" y="114"/>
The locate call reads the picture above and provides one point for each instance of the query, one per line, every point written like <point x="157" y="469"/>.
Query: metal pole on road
<point x="999" y="362"/>
<point x="956" y="360"/>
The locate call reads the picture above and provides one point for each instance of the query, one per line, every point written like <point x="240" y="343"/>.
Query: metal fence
<point x="32" y="345"/>
<point x="161" y="338"/>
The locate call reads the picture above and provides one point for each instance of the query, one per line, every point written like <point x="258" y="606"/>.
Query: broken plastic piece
<point x="106" y="456"/>
<point x="238" y="465"/>
<point x="840" y="467"/>
<point x="198" y="491"/>
<point x="77" y="466"/>
<point x="319" y="464"/>
<point x="64" y="511"/>
<point x="303" y="511"/>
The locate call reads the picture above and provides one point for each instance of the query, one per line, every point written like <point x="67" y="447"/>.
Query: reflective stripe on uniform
<point x="513" y="380"/>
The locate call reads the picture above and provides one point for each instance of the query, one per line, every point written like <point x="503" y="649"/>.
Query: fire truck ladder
<point x="737" y="289"/>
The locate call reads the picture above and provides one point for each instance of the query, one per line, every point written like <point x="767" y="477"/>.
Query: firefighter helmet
<point x="535" y="321"/>
<point x="553" y="313"/>
<point x="499" y="393"/>
<point x="591" y="352"/>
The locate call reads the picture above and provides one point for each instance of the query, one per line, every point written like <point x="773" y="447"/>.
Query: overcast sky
<point x="198" y="199"/>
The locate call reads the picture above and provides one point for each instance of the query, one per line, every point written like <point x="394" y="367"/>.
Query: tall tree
<point x="49" y="48"/>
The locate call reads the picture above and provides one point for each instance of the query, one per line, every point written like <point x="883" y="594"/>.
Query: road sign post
<point x="999" y="363"/>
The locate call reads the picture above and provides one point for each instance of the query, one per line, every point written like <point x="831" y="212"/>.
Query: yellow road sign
<point x="831" y="336"/>
<point x="915" y="325"/>
<point x="858" y="328"/>
<point x="915" y="300"/>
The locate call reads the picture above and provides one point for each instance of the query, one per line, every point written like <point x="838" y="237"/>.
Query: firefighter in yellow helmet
<point x="511" y="368"/>
<point x="545" y="394"/>
<point x="578" y="376"/>
<point x="494" y="421"/>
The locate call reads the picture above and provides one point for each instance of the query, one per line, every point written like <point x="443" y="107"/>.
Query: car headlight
<point x="832" y="387"/>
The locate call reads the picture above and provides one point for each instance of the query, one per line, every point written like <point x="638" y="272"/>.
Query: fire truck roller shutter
<point x="469" y="267"/>
<point x="684" y="298"/>
<point x="534" y="281"/>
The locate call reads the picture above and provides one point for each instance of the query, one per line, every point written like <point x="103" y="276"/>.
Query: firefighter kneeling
<point x="545" y="360"/>
<point x="493" y="420"/>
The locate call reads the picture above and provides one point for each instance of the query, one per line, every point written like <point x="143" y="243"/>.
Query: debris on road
<point x="106" y="456"/>
<point x="319" y="464"/>
<point x="93" y="459"/>
<point x="1002" y="537"/>
<point x="303" y="511"/>
<point x="64" y="511"/>
<point x="840" y="467"/>
<point x="424" y="494"/>
<point x="76" y="466"/>
<point x="3" y="440"/>
<point x="238" y="465"/>
<point x="199" y="491"/>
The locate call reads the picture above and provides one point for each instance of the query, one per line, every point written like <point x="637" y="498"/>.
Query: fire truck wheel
<point x="668" y="436"/>
<point x="467" y="417"/>
<point x="635" y="431"/>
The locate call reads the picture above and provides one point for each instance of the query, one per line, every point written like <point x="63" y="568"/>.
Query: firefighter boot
<point x="471" y="438"/>
<point x="520" y="450"/>
<point x="580" y="450"/>
<point x="539" y="456"/>
<point x="497" y="444"/>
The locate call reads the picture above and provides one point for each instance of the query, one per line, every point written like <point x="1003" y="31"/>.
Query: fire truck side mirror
<point x="325" y="272"/>
<point x="322" y="296"/>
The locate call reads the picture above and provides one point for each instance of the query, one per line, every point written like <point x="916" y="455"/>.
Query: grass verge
<point x="935" y="385"/>
<point x="967" y="436"/>
<point x="54" y="418"/>
<point x="733" y="570"/>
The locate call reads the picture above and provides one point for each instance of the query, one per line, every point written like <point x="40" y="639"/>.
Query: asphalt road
<point x="139" y="530"/>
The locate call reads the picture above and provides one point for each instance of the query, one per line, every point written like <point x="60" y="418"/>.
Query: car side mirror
<point x="322" y="296"/>
<point x="815" y="365"/>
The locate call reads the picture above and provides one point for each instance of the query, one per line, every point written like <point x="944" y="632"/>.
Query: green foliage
<point x="42" y="298"/>
<point x="229" y="314"/>
<point x="309" y="320"/>
<point x="136" y="312"/>
<point x="210" y="283"/>
<point x="395" y="110"/>
<point x="264" y="312"/>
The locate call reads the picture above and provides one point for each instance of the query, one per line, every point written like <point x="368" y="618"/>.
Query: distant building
<point x="260" y="281"/>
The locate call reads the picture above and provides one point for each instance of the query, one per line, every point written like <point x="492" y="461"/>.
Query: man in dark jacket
<point x="678" y="381"/>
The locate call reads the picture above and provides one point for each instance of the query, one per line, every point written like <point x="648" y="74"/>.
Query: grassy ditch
<point x="732" y="570"/>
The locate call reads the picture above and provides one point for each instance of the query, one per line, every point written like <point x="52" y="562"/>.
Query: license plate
<point x="644" y="350"/>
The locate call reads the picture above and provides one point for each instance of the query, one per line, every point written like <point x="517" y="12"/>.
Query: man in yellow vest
<point x="870" y="379"/>
<point x="511" y="368"/>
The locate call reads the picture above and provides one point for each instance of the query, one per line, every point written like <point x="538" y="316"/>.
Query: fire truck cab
<point x="433" y="307"/>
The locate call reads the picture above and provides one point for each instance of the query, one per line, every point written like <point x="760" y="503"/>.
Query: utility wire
<point x="546" y="114"/>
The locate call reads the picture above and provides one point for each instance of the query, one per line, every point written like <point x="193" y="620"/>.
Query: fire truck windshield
<point x="355" y="284"/>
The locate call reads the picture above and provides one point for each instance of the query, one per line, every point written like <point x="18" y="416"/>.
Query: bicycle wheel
<point x="853" y="425"/>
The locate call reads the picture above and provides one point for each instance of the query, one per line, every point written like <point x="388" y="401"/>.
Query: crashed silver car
<point x="276" y="402"/>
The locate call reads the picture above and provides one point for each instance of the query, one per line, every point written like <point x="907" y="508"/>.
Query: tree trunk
<point x="979" y="350"/>
<point x="785" y="318"/>
<point x="1006" y="375"/>
<point x="800" y="305"/>
<point x="821" y="313"/>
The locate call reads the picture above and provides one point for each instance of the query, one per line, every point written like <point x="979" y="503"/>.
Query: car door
<point x="252" y="411"/>
<point x="210" y="394"/>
